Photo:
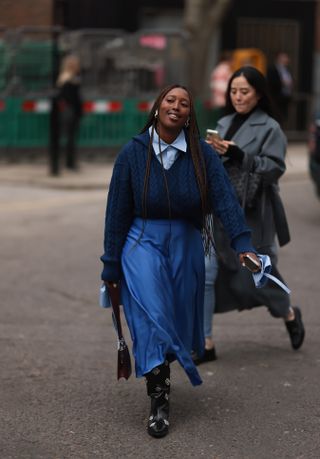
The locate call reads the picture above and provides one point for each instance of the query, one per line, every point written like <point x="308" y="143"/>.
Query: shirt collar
<point x="179" y="143"/>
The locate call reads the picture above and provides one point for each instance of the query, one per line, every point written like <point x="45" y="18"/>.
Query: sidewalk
<point x="96" y="175"/>
<point x="91" y="176"/>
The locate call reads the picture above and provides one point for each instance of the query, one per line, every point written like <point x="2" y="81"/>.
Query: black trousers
<point x="63" y="135"/>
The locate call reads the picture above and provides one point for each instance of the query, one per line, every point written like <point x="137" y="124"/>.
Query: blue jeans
<point x="211" y="265"/>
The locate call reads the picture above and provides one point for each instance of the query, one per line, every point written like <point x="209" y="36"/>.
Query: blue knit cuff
<point x="111" y="272"/>
<point x="242" y="243"/>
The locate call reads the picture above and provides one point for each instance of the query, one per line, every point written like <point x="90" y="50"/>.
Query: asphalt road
<point x="59" y="396"/>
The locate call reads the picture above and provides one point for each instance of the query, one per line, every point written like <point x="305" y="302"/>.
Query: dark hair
<point x="193" y="141"/>
<point x="257" y="80"/>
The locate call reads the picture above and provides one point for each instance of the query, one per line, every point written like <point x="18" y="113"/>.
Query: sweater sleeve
<point x="118" y="218"/>
<point x="224" y="202"/>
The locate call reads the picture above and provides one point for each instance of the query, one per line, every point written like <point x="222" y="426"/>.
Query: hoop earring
<point x="156" y="114"/>
<point x="187" y="123"/>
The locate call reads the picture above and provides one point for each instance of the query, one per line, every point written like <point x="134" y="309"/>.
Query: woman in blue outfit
<point x="249" y="131"/>
<point x="165" y="185"/>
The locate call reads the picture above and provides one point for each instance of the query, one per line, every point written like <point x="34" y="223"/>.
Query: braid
<point x="201" y="176"/>
<point x="147" y="175"/>
<point x="197" y="158"/>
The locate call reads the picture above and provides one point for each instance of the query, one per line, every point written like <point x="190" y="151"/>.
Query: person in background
<point x="211" y="273"/>
<point x="219" y="79"/>
<point x="250" y="131"/>
<point x="166" y="183"/>
<point x="70" y="106"/>
<point x="280" y="83"/>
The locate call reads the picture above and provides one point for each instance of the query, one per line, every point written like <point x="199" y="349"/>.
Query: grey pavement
<point x="59" y="396"/>
<point x="96" y="174"/>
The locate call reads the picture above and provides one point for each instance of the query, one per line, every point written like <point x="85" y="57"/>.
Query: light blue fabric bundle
<point x="104" y="299"/>
<point x="261" y="278"/>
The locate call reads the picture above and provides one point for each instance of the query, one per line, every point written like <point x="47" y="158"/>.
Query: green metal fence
<point x="109" y="123"/>
<point x="26" y="68"/>
<point x="20" y="126"/>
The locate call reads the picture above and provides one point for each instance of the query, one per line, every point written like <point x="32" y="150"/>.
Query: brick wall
<point x="17" y="13"/>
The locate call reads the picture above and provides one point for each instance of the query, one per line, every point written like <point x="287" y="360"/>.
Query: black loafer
<point x="295" y="329"/>
<point x="208" y="356"/>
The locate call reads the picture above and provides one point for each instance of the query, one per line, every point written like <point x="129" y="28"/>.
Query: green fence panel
<point x="4" y="118"/>
<point x="138" y="112"/>
<point x="115" y="127"/>
<point x="24" y="123"/>
<point x="106" y="123"/>
<point x="31" y="124"/>
<point x="32" y="130"/>
<point x="206" y="116"/>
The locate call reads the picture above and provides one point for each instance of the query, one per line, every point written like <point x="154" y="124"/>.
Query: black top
<point x="234" y="151"/>
<point x="70" y="94"/>
<point x="236" y="123"/>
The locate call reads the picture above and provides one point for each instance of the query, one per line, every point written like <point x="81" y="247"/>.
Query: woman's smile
<point x="174" y="109"/>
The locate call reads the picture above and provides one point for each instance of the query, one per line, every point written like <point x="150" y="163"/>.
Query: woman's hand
<point x="221" y="146"/>
<point x="250" y="261"/>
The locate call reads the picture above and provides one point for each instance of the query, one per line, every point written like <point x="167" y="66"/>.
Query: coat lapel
<point x="246" y="134"/>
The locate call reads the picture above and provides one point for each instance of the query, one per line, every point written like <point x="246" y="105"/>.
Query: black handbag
<point x="246" y="182"/>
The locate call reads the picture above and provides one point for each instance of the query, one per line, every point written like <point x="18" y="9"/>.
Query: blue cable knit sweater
<point x="126" y="190"/>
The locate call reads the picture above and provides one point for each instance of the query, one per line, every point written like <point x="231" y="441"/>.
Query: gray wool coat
<point x="261" y="136"/>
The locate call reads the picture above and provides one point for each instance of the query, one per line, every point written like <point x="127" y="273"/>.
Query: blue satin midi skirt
<point x="162" y="293"/>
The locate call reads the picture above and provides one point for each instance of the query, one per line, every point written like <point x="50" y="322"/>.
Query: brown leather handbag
<point x="124" y="362"/>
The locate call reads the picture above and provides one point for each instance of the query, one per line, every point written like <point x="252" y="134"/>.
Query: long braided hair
<point x="192" y="138"/>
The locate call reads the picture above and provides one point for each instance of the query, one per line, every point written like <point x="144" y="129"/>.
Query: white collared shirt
<point x="169" y="152"/>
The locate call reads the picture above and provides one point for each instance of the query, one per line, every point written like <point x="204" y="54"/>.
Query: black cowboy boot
<point x="158" y="387"/>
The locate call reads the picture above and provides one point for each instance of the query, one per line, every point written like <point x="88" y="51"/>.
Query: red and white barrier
<point x="94" y="107"/>
<point x="145" y="106"/>
<point x="102" y="106"/>
<point x="36" y="106"/>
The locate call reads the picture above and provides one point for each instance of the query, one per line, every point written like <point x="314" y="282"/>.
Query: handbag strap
<point x="114" y="293"/>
